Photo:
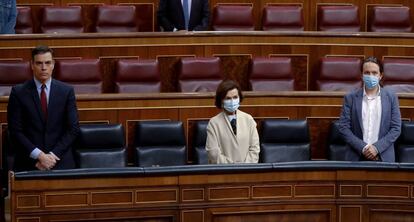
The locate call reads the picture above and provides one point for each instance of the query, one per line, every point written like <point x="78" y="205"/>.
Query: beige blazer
<point x="224" y="147"/>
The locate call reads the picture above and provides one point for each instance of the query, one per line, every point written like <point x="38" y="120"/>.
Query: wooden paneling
<point x="269" y="195"/>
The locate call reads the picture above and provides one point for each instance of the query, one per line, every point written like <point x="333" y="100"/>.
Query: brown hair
<point x="41" y="49"/>
<point x="373" y="60"/>
<point x="222" y="90"/>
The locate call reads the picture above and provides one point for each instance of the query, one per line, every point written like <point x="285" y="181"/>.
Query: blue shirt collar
<point x="39" y="84"/>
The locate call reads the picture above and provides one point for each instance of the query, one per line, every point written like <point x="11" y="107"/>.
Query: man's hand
<point x="370" y="152"/>
<point x="46" y="161"/>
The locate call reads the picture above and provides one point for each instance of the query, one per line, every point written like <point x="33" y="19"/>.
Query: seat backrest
<point x="100" y="145"/>
<point x="199" y="142"/>
<point x="62" y="19"/>
<point x="271" y="74"/>
<point x="339" y="74"/>
<point x="338" y="18"/>
<point x="284" y="141"/>
<point x="11" y="73"/>
<point x="227" y="17"/>
<point x="336" y="145"/>
<point x="84" y="75"/>
<point x="116" y="18"/>
<point x="405" y="144"/>
<point x="282" y="18"/>
<point x="137" y="76"/>
<point x="24" y="22"/>
<point x="390" y="19"/>
<point x="200" y="74"/>
<point x="399" y="74"/>
<point x="160" y="143"/>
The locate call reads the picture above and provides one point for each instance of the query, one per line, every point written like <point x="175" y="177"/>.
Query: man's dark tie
<point x="233" y="124"/>
<point x="43" y="100"/>
<point x="186" y="14"/>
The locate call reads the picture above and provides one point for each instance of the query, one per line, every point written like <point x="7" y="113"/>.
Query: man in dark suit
<point x="370" y="121"/>
<point x="176" y="15"/>
<point x="42" y="118"/>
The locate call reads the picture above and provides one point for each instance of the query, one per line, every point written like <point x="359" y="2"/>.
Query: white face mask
<point x="231" y="105"/>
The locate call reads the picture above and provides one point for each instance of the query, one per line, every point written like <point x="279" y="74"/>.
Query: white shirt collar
<point x="371" y="97"/>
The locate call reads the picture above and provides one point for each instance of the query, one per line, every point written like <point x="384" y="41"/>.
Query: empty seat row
<point x="195" y="74"/>
<point x="203" y="74"/>
<point x="103" y="145"/>
<point x="69" y="19"/>
<point x="335" y="18"/>
<point x="226" y="17"/>
<point x="163" y="143"/>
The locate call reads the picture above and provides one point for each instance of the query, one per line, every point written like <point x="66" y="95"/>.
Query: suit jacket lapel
<point x="36" y="100"/>
<point x="384" y="109"/>
<point x="181" y="10"/>
<point x="358" y="105"/>
<point x="193" y="2"/>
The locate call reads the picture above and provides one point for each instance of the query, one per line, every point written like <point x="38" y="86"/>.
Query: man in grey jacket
<point x="370" y="121"/>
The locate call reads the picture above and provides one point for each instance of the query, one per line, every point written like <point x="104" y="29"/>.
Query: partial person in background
<point x="42" y="118"/>
<point x="231" y="135"/>
<point x="370" y="121"/>
<point x="8" y="15"/>
<point x="177" y="15"/>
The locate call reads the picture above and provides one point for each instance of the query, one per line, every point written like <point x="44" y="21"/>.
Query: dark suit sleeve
<point x="205" y="17"/>
<point x="72" y="125"/>
<point x="162" y="16"/>
<point x="15" y="122"/>
<point x="344" y="125"/>
<point x="387" y="141"/>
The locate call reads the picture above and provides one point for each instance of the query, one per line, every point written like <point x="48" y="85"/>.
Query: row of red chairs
<point x="227" y="17"/>
<point x="203" y="74"/>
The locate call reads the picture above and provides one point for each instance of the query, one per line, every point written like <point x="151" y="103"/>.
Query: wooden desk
<point x="345" y="192"/>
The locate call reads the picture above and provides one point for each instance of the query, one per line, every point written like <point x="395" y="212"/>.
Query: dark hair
<point x="41" y="49"/>
<point x="373" y="60"/>
<point x="222" y="90"/>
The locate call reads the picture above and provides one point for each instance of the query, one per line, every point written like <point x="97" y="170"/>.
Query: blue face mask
<point x="231" y="105"/>
<point x="370" y="81"/>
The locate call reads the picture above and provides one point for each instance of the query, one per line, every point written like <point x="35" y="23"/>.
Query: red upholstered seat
<point x="137" y="76"/>
<point x="390" y="19"/>
<point x="283" y="18"/>
<point x="338" y="18"/>
<point x="399" y="74"/>
<point x="339" y="74"/>
<point x="199" y="74"/>
<point x="83" y="74"/>
<point x="62" y="19"/>
<point x="12" y="73"/>
<point x="271" y="74"/>
<point x="24" y="23"/>
<point x="233" y="18"/>
<point x="116" y="18"/>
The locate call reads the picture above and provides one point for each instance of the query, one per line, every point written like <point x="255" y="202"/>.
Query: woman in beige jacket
<point x="231" y="135"/>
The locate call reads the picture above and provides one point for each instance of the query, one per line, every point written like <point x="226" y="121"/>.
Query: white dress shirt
<point x="371" y="117"/>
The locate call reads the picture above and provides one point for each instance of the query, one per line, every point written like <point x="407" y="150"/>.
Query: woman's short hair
<point x="222" y="89"/>
<point x="373" y="60"/>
